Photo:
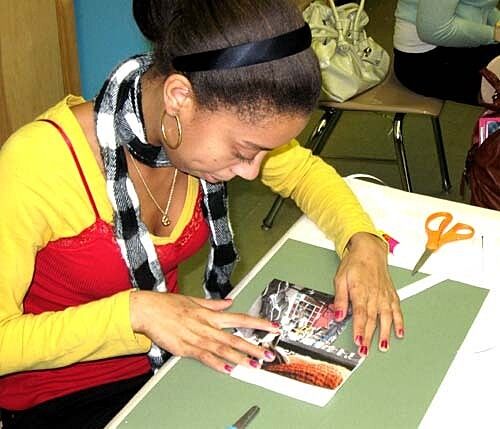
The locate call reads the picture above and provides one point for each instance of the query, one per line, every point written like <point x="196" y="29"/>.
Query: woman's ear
<point x="177" y="94"/>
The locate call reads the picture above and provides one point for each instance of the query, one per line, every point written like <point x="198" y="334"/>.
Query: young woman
<point x="439" y="47"/>
<point x="101" y="200"/>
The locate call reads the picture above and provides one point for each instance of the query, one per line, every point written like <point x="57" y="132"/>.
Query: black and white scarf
<point x="120" y="127"/>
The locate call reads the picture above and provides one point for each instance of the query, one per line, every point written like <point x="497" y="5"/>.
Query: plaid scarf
<point x="120" y="127"/>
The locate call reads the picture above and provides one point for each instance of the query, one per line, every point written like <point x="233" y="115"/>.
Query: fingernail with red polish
<point x="254" y="363"/>
<point x="228" y="368"/>
<point x="401" y="332"/>
<point x="383" y="344"/>
<point x="338" y="314"/>
<point x="363" y="350"/>
<point x="276" y="324"/>
<point x="358" y="340"/>
<point x="270" y="356"/>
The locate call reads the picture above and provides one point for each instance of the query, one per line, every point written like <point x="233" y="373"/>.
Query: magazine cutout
<point x="308" y="365"/>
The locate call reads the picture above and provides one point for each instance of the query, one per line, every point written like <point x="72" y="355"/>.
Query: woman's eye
<point x="243" y="159"/>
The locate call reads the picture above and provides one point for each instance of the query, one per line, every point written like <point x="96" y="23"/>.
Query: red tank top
<point x="77" y="270"/>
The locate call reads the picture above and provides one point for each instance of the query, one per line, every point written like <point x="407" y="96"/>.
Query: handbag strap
<point x="338" y="22"/>
<point x="494" y="81"/>
<point x="491" y="77"/>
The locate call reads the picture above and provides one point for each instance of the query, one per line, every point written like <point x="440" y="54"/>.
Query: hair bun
<point x="148" y="15"/>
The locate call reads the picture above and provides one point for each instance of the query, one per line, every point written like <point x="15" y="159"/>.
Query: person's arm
<point x="362" y="277"/>
<point x="438" y="24"/>
<point x="318" y="190"/>
<point x="31" y="216"/>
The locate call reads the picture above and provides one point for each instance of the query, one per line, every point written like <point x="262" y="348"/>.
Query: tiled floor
<point x="365" y="134"/>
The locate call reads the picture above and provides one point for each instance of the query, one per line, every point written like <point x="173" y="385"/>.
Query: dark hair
<point x="181" y="27"/>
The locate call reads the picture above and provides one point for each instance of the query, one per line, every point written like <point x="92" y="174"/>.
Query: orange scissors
<point x="437" y="237"/>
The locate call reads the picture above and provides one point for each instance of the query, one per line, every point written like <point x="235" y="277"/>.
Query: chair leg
<point x="397" y="128"/>
<point x="268" y="221"/>
<point x="443" y="166"/>
<point x="316" y="142"/>
<point x="323" y="130"/>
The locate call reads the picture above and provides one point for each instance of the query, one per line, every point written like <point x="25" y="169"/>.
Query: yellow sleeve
<point x="36" y="206"/>
<point x="318" y="190"/>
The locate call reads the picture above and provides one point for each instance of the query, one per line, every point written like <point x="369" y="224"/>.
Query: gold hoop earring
<point x="179" y="131"/>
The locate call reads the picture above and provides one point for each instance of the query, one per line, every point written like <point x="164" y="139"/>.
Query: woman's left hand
<point x="363" y="279"/>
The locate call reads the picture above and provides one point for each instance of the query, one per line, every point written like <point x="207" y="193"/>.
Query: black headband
<point x="246" y="54"/>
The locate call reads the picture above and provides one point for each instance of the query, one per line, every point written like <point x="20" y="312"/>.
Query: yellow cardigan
<point x="41" y="200"/>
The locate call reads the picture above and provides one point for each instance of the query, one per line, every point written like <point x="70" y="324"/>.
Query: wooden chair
<point x="390" y="96"/>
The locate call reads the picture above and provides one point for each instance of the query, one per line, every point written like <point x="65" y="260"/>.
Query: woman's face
<point x="217" y="146"/>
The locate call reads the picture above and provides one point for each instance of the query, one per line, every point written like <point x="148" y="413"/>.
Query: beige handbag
<point x="350" y="61"/>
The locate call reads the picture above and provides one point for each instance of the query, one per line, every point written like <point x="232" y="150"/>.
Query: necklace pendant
<point x="165" y="221"/>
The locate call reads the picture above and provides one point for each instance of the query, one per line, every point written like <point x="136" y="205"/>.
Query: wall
<point x="106" y="34"/>
<point x="37" y="55"/>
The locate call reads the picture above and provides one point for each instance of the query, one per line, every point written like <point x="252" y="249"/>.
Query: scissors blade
<point x="246" y="418"/>
<point x="421" y="261"/>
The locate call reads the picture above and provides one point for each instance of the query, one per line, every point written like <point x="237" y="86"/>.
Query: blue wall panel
<point x="106" y="34"/>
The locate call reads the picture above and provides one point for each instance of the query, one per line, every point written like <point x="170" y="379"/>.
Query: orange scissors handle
<point x="437" y="237"/>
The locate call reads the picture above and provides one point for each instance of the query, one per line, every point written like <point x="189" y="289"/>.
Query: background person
<point x="440" y="46"/>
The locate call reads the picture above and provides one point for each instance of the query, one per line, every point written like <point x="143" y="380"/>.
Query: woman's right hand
<point x="193" y="327"/>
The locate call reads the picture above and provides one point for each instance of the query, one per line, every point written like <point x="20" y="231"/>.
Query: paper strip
<point x="420" y="285"/>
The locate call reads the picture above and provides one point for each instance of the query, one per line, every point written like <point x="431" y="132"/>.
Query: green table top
<point x="389" y="390"/>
